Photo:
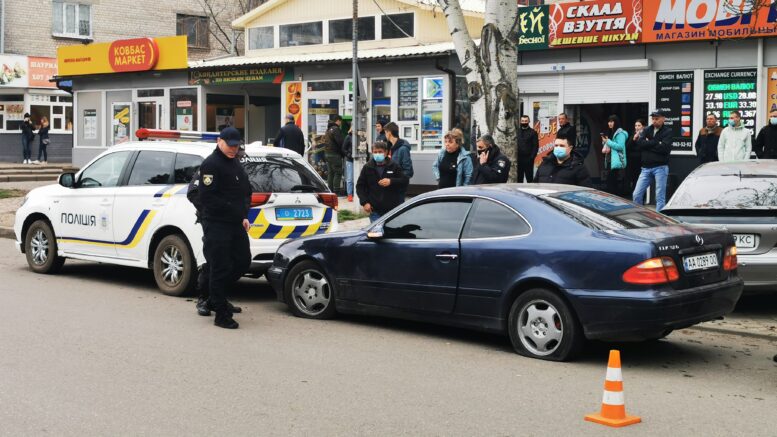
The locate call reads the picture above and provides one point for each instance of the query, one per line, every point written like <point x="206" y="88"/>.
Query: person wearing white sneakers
<point x="43" y="135"/>
<point x="28" y="134"/>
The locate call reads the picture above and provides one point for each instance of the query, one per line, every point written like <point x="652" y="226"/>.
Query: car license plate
<point x="744" y="241"/>
<point x="700" y="262"/>
<point x="293" y="213"/>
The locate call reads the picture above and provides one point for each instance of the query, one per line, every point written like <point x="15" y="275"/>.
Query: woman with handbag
<point x="614" y="149"/>
<point x="43" y="133"/>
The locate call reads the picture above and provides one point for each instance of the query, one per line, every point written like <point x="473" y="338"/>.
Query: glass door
<point x="150" y="114"/>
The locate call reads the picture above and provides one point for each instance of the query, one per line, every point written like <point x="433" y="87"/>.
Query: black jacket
<point x="290" y="136"/>
<point x="570" y="172"/>
<point x="334" y="140"/>
<point x="348" y="147"/>
<point x="43" y="133"/>
<point x="28" y="130"/>
<point x="382" y="199"/>
<point x="569" y="132"/>
<point x="496" y="170"/>
<point x="528" y="144"/>
<point x="655" y="148"/>
<point x="225" y="192"/>
<point x="765" y="146"/>
<point x="707" y="144"/>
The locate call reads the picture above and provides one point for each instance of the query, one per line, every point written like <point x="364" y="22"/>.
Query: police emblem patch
<point x="207" y="179"/>
<point x="502" y="164"/>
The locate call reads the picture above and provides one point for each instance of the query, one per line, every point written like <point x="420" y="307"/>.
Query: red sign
<point x="595" y="23"/>
<point x="139" y="54"/>
<point x="41" y="72"/>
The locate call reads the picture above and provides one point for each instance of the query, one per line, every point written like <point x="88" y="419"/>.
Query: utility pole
<point x="355" y="73"/>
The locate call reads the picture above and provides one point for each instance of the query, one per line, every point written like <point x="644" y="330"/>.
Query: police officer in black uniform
<point x="491" y="166"/>
<point x="225" y="194"/>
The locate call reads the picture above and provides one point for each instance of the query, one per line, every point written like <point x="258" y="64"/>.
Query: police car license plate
<point x="744" y="241"/>
<point x="293" y="213"/>
<point x="700" y="262"/>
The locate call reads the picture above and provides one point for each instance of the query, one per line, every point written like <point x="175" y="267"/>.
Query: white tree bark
<point x="491" y="70"/>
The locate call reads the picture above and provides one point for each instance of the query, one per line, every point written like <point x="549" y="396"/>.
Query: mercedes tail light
<point x="328" y="199"/>
<point x="660" y="270"/>
<point x="730" y="258"/>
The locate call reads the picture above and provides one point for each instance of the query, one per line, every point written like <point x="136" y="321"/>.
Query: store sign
<point x="232" y="76"/>
<point x="533" y="24"/>
<point x="18" y="71"/>
<point x="42" y="70"/>
<point x="678" y="20"/>
<point x="731" y="90"/>
<point x="772" y="90"/>
<point x="674" y="96"/>
<point x="138" y="54"/>
<point x="595" y="23"/>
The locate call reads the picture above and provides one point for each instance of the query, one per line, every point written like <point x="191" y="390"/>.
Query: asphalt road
<point x="97" y="351"/>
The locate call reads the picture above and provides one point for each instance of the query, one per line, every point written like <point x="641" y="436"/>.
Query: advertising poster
<point x="13" y="71"/>
<point x="184" y="118"/>
<point x="433" y="88"/>
<point x="674" y="96"/>
<point x="594" y="23"/>
<point x="731" y="90"/>
<point x="772" y="90"/>
<point x="545" y="118"/>
<point x="120" y="124"/>
<point x="41" y="72"/>
<point x="533" y="23"/>
<point x="431" y="125"/>
<point x="673" y="20"/>
<point x="90" y="124"/>
<point x="225" y="117"/>
<point x="294" y="101"/>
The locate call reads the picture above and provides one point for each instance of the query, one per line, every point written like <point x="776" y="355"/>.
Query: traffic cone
<point x="613" y="406"/>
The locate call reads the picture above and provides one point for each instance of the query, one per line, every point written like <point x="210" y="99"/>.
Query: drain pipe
<point x="451" y="92"/>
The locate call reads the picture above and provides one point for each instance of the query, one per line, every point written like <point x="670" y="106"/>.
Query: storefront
<point x="26" y="87"/>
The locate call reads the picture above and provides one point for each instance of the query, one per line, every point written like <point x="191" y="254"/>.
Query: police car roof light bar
<point x="160" y="134"/>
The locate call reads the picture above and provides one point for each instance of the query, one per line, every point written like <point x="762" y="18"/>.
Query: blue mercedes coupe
<point x="548" y="265"/>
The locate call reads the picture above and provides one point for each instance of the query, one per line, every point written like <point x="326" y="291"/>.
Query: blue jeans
<point x="349" y="177"/>
<point x="660" y="174"/>
<point x="26" y="148"/>
<point x="374" y="216"/>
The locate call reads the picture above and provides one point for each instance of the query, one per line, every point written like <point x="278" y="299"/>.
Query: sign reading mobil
<point x="676" y="20"/>
<point x="595" y="23"/>
<point x="533" y="24"/>
<point x="138" y="54"/>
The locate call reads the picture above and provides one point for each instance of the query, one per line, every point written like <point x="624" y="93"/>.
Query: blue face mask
<point x="560" y="152"/>
<point x="773" y="120"/>
<point x="732" y="123"/>
<point x="378" y="157"/>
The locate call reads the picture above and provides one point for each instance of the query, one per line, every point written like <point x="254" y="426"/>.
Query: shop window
<point x="37" y="112"/>
<point x="261" y="38"/>
<point x="151" y="93"/>
<point x="303" y="34"/>
<point x="183" y="109"/>
<point x="13" y="115"/>
<point x="71" y="20"/>
<point x="326" y="85"/>
<point x="397" y="26"/>
<point x="381" y="100"/>
<point x="342" y="30"/>
<point x="58" y="112"/>
<point x="196" y="29"/>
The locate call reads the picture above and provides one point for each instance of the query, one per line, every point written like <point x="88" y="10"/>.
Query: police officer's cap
<point x="231" y="136"/>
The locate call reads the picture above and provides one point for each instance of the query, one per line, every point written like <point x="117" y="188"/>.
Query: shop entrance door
<point x="150" y="114"/>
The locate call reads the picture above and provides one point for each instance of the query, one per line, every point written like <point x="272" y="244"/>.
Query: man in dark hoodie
<point x="491" y="166"/>
<point x="563" y="166"/>
<point x="334" y="154"/>
<point x="291" y="137"/>
<point x="707" y="142"/>
<point x="381" y="184"/>
<point x="765" y="146"/>
<point x="399" y="151"/>
<point x="528" y="146"/>
<point x="655" y="142"/>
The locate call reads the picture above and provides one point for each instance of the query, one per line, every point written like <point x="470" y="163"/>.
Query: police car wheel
<point x="309" y="292"/>
<point x="174" y="266"/>
<point x="40" y="247"/>
<point x="542" y="325"/>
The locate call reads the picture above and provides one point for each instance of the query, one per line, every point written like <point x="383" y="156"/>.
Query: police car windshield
<point x="278" y="174"/>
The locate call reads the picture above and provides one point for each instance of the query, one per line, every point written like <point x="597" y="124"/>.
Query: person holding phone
<point x="614" y="150"/>
<point x="491" y="166"/>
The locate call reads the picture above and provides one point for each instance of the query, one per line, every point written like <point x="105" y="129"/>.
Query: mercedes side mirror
<point x="67" y="180"/>
<point x="375" y="233"/>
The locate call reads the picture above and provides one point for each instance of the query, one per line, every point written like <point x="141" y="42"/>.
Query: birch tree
<point x="491" y="69"/>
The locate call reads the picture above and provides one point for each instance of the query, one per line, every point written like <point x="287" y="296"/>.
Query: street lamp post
<point x="355" y="73"/>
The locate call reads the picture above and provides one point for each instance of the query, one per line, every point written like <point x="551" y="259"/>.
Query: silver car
<point x="741" y="197"/>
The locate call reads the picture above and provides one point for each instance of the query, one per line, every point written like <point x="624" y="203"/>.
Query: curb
<point x="766" y="337"/>
<point x="6" y="232"/>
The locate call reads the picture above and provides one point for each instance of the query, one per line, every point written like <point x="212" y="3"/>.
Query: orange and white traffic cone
<point x="613" y="405"/>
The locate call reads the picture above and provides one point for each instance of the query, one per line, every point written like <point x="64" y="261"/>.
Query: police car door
<point x="82" y="216"/>
<point x="142" y="201"/>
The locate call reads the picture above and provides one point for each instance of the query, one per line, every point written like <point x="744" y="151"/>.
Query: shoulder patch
<point x="207" y="179"/>
<point x="502" y="163"/>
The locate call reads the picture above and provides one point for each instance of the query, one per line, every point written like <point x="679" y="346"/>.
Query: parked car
<point x="550" y="265"/>
<point x="742" y="198"/>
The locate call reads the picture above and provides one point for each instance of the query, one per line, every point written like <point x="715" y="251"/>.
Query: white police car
<point x="128" y="206"/>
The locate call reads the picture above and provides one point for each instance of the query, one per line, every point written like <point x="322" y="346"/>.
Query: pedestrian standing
<point x="28" y="134"/>
<point x="399" y="151"/>
<point x="334" y="154"/>
<point x="634" y="156"/>
<point x="569" y="131"/>
<point x="225" y="194"/>
<point x="655" y="143"/>
<point x="563" y="166"/>
<point x="707" y="141"/>
<point x="766" y="142"/>
<point x="735" y="143"/>
<point x="615" y="160"/>
<point x="380" y="134"/>
<point x="381" y="184"/>
<point x="348" y="154"/>
<point x="490" y="165"/>
<point x="528" y="146"/>
<point x="453" y="166"/>
<point x="43" y="142"/>
<point x="290" y="136"/>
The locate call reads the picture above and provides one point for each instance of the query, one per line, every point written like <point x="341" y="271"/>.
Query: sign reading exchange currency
<point x="230" y="76"/>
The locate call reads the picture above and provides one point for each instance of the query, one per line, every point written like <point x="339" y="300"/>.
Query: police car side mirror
<point x="67" y="180"/>
<point x="375" y="233"/>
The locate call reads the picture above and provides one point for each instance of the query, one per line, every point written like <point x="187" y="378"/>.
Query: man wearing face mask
<point x="707" y="142"/>
<point x="766" y="143"/>
<point x="528" y="145"/>
<point x="381" y="184"/>
<point x="490" y="165"/>
<point x="735" y="143"/>
<point x="563" y="166"/>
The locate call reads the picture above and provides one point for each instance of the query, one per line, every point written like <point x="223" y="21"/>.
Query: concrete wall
<point x="59" y="150"/>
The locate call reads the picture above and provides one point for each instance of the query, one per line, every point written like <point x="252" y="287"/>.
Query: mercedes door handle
<point x="446" y="256"/>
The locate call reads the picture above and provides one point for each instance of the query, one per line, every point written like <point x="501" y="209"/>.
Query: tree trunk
<point x="491" y="70"/>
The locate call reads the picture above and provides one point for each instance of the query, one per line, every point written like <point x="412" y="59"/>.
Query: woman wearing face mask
<point x="634" y="156"/>
<point x="563" y="167"/>
<point x="614" y="150"/>
<point x="381" y="184"/>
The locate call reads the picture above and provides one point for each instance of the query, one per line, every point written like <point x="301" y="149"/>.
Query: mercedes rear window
<point x="278" y="174"/>
<point x="727" y="191"/>
<point x="605" y="212"/>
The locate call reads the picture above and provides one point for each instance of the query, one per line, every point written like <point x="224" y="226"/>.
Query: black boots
<point x="204" y="308"/>
<point x="224" y="320"/>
